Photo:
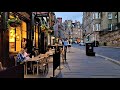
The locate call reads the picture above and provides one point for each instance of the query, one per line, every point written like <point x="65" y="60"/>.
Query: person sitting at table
<point x="26" y="55"/>
<point x="20" y="57"/>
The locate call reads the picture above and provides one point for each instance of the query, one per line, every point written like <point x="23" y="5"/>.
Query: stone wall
<point x="111" y="39"/>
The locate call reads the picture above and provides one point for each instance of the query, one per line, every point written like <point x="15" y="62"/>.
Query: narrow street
<point x="31" y="41"/>
<point x="79" y="65"/>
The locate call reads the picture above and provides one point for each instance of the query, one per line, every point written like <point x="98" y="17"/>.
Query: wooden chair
<point x="40" y="65"/>
<point x="46" y="64"/>
<point x="43" y="65"/>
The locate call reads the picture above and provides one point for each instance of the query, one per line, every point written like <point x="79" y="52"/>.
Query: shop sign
<point x="42" y="14"/>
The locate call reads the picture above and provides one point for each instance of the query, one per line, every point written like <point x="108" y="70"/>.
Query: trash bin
<point x="89" y="49"/>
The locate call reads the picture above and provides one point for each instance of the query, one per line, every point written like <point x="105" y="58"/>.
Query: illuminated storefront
<point x="16" y="36"/>
<point x="14" y="29"/>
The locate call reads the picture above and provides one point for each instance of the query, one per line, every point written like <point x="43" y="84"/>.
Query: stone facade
<point x="111" y="39"/>
<point x="73" y="30"/>
<point x="97" y="33"/>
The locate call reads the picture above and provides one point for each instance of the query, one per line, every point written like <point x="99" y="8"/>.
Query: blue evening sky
<point x="70" y="16"/>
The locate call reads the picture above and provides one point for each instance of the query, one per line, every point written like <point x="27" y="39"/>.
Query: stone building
<point x="77" y="30"/>
<point x="99" y="26"/>
<point x="73" y="30"/>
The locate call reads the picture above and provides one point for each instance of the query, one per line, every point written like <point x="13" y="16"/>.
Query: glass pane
<point x="36" y="37"/>
<point x="24" y="33"/>
<point x="18" y="39"/>
<point x="11" y="39"/>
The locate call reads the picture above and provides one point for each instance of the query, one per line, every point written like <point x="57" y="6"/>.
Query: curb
<point x="109" y="46"/>
<point x="110" y="59"/>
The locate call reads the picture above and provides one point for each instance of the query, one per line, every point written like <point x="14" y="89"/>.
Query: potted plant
<point x="14" y="22"/>
<point x="43" y="28"/>
<point x="50" y="30"/>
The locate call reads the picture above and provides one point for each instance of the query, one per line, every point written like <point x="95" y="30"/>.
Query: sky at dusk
<point x="70" y="16"/>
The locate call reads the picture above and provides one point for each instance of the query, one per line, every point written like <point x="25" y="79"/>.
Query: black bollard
<point x="65" y="53"/>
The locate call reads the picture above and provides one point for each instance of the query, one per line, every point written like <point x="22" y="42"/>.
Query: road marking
<point x="110" y="59"/>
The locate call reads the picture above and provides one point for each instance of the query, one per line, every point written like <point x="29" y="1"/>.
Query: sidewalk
<point x="79" y="65"/>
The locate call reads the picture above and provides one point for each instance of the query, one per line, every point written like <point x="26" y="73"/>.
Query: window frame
<point x="109" y="15"/>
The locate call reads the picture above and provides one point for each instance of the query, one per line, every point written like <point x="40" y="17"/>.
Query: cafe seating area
<point x="39" y="64"/>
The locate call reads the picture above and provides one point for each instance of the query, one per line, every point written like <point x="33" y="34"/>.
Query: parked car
<point x="82" y="44"/>
<point x="75" y="42"/>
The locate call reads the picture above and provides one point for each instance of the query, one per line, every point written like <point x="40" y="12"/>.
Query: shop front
<point x="15" y="31"/>
<point x="17" y="36"/>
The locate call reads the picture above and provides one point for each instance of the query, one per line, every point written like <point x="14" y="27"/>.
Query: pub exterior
<point x="28" y="27"/>
<point x="13" y="28"/>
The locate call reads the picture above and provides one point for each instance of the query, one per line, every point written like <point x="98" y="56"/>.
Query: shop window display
<point x="16" y="36"/>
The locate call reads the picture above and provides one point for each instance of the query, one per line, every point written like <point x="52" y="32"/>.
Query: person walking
<point x="69" y="46"/>
<point x="65" y="48"/>
<point x="65" y="44"/>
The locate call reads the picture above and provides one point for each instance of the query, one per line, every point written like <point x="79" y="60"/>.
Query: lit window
<point x="109" y="15"/>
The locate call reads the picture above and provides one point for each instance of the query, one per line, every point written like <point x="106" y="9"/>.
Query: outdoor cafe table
<point x="37" y="59"/>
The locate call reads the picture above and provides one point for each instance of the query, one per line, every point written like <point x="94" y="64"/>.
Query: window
<point x="97" y="15"/>
<point x="97" y="27"/>
<point x="116" y="16"/>
<point x="15" y="36"/>
<point x="109" y="15"/>
<point x="93" y="16"/>
<point x="109" y="26"/>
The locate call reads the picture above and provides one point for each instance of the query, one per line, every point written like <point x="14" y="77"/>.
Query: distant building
<point x="73" y="31"/>
<point x="77" y="31"/>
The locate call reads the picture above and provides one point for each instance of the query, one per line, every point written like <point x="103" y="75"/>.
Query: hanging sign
<point x="42" y="14"/>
